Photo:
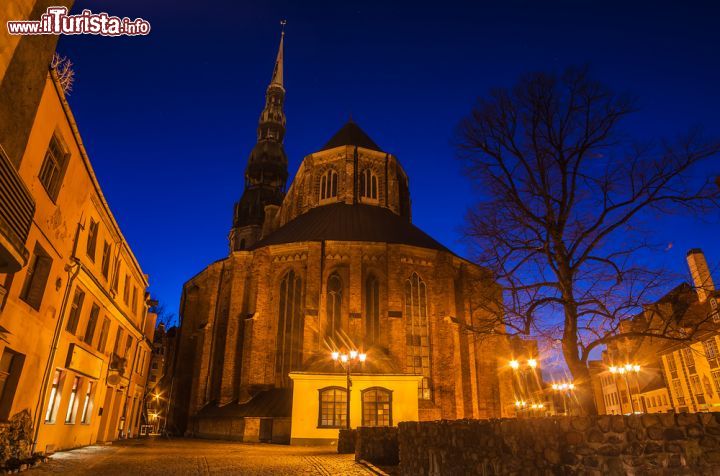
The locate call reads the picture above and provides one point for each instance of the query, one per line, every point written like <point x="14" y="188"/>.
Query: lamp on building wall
<point x="563" y="389"/>
<point x="347" y="360"/>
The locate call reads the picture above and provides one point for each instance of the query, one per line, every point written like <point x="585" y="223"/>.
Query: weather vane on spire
<point x="283" y="23"/>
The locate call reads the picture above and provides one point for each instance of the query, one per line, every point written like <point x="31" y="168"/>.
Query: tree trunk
<point x="581" y="379"/>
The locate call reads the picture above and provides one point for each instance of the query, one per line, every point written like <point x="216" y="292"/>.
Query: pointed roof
<point x="351" y="134"/>
<point x="277" y="76"/>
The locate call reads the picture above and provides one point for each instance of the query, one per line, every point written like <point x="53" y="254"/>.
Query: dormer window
<point x="368" y="185"/>
<point x="328" y="185"/>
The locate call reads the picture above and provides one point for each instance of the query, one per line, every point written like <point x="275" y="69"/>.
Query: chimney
<point x="700" y="273"/>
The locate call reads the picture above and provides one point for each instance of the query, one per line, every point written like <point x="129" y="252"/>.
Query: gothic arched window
<point x="368" y="184"/>
<point x="418" y="333"/>
<point x="290" y="328"/>
<point x="372" y="310"/>
<point x="376" y="407"/>
<point x="329" y="185"/>
<point x="334" y="304"/>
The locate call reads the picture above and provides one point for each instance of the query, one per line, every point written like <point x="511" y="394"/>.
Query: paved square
<point x="188" y="456"/>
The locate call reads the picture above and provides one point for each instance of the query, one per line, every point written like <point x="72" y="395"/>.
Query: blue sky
<point x="169" y="119"/>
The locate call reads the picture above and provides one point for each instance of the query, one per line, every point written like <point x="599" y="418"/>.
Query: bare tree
<point x="565" y="200"/>
<point x="164" y="316"/>
<point x="63" y="68"/>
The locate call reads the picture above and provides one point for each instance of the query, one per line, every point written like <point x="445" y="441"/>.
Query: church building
<point x="332" y="263"/>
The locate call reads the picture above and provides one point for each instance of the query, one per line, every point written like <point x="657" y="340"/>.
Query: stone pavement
<point x="189" y="457"/>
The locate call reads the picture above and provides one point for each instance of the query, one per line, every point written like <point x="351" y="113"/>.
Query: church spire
<point x="266" y="172"/>
<point x="277" y="77"/>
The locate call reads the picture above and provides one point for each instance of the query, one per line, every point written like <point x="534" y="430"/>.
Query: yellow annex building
<point x="332" y="263"/>
<point x="75" y="331"/>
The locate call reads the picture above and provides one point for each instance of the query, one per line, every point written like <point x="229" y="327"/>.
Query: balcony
<point x="17" y="208"/>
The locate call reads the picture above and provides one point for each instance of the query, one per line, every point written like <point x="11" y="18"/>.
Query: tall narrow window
<point x="329" y="185"/>
<point x="334" y="304"/>
<point x="11" y="364"/>
<point x="133" y="303"/>
<point x="106" y="260"/>
<point x="36" y="279"/>
<point x="104" y="331"/>
<point x="54" y="400"/>
<point x="72" y="403"/>
<point x="368" y="185"/>
<point x="333" y="408"/>
<point x="92" y="324"/>
<point x="679" y="393"/>
<point x="672" y="365"/>
<point x="87" y="405"/>
<point x="711" y="352"/>
<point x="687" y="355"/>
<point x="126" y="290"/>
<point x="75" y="310"/>
<point x="290" y="328"/>
<point x="116" y="276"/>
<point x="372" y="310"/>
<point x="376" y="407"/>
<point x="92" y="239"/>
<point x="418" y="333"/>
<point x="53" y="166"/>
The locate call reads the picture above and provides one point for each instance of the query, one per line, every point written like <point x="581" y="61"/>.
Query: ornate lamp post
<point x="624" y="371"/>
<point x="347" y="361"/>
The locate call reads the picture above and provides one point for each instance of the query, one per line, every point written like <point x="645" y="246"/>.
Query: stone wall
<point x="641" y="444"/>
<point x="378" y="445"/>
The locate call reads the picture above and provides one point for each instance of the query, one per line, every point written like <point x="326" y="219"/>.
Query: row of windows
<point x="81" y="390"/>
<point x="367" y="189"/>
<point x="376" y="407"/>
<point x="52" y="172"/>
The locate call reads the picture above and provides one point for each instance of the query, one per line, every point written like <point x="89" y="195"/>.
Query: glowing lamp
<point x="344" y="358"/>
<point x="514" y="364"/>
<point x="362" y="357"/>
<point x="335" y="355"/>
<point x="353" y="354"/>
<point x="532" y="363"/>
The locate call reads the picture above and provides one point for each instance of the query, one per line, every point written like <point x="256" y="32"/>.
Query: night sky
<point x="169" y="119"/>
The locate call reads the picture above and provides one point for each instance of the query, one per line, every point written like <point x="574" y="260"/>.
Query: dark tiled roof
<point x="276" y="402"/>
<point x="351" y="134"/>
<point x="343" y="222"/>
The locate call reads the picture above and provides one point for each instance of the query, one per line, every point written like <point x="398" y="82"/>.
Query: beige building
<point x="680" y="376"/>
<point x="334" y="262"/>
<point x="75" y="332"/>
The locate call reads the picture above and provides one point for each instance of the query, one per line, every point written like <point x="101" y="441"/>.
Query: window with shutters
<point x="92" y="239"/>
<point x="104" y="331"/>
<point x="75" y="310"/>
<point x="106" y="260"/>
<point x="11" y="364"/>
<point x="92" y="323"/>
<point x="36" y="279"/>
<point x="54" y="166"/>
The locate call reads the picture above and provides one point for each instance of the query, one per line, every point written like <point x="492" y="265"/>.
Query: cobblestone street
<point x="186" y="456"/>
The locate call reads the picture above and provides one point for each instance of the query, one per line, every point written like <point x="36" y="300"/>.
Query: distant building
<point x="160" y="377"/>
<point x="334" y="262"/>
<point x="673" y="375"/>
<point x="75" y="331"/>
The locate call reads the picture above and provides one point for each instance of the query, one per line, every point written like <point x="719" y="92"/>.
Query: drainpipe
<point x="72" y="269"/>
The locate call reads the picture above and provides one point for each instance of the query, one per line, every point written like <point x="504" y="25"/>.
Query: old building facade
<point x="75" y="331"/>
<point x="333" y="262"/>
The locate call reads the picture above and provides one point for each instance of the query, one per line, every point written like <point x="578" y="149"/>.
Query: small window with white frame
<point x="329" y="185"/>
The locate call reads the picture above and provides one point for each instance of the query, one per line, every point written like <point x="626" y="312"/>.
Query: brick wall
<point x="641" y="444"/>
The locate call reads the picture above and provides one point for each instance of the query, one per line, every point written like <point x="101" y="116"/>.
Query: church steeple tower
<point x="266" y="172"/>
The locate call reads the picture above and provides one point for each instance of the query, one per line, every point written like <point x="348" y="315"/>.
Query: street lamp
<point x="347" y="361"/>
<point x="563" y="388"/>
<point x="624" y="370"/>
